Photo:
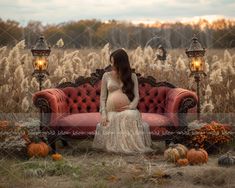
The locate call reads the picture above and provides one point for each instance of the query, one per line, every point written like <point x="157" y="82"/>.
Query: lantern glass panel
<point x="197" y="64"/>
<point x="40" y="63"/>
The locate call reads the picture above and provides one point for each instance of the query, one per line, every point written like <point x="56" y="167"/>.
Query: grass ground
<point x="83" y="167"/>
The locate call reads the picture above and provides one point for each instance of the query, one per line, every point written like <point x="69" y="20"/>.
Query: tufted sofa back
<point x="152" y="99"/>
<point x="86" y="98"/>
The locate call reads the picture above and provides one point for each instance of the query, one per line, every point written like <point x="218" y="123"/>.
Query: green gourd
<point x="226" y="160"/>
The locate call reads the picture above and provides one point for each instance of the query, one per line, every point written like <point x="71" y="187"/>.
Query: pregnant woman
<point x="121" y="129"/>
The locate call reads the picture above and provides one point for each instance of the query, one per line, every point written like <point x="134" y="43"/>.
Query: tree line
<point x="95" y="33"/>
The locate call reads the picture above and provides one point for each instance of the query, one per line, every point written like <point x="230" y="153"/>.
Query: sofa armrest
<point x="178" y="102"/>
<point x="52" y="103"/>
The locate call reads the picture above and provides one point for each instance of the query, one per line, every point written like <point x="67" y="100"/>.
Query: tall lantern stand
<point x="196" y="53"/>
<point x="40" y="62"/>
<point x="40" y="52"/>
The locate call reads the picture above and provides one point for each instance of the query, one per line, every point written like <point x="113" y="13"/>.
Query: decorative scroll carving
<point x="97" y="76"/>
<point x="43" y="104"/>
<point x="186" y="104"/>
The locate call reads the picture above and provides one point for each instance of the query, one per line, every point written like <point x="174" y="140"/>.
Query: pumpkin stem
<point x="171" y="145"/>
<point x="197" y="146"/>
<point x="228" y="153"/>
<point x="36" y="139"/>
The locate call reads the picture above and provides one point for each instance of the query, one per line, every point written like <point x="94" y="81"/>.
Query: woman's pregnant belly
<point x="116" y="100"/>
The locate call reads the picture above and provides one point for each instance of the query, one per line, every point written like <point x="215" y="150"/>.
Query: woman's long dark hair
<point x="122" y="64"/>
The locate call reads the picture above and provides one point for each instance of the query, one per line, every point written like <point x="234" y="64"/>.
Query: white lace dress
<point x="125" y="132"/>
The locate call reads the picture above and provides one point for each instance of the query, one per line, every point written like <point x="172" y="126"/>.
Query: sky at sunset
<point x="148" y="11"/>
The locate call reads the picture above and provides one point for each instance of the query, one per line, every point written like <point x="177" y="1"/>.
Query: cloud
<point x="57" y="11"/>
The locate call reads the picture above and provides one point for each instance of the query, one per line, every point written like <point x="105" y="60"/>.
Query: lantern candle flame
<point x="196" y="64"/>
<point x="40" y="64"/>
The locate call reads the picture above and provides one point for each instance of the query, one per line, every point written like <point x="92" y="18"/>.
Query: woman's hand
<point x="126" y="107"/>
<point x="104" y="121"/>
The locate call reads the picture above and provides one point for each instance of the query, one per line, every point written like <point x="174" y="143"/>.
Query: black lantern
<point x="40" y="52"/>
<point x="196" y="53"/>
<point x="162" y="56"/>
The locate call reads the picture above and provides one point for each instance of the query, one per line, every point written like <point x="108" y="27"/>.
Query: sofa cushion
<point x="158" y="124"/>
<point x="83" y="125"/>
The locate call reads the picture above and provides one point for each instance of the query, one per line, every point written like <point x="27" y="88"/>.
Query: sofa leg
<point x="167" y="142"/>
<point x="64" y="142"/>
<point x="53" y="147"/>
<point x="52" y="143"/>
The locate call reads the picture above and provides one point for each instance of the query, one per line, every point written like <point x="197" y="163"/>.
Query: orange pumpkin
<point x="40" y="149"/>
<point x="56" y="157"/>
<point x="197" y="156"/>
<point x="182" y="162"/>
<point x="175" y="152"/>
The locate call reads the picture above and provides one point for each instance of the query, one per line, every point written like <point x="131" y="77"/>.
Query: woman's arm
<point x="135" y="101"/>
<point x="103" y="96"/>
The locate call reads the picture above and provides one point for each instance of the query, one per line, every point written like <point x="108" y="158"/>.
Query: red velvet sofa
<point x="72" y="109"/>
